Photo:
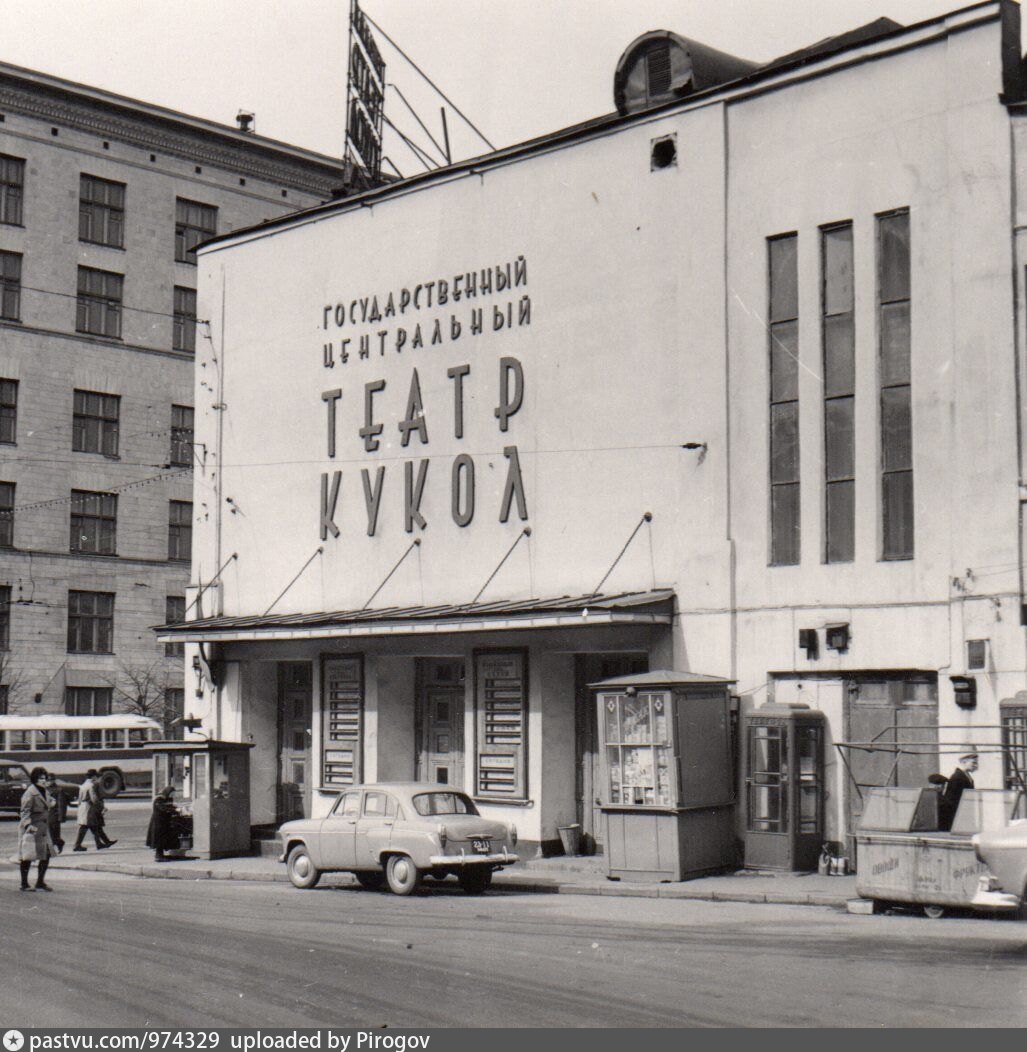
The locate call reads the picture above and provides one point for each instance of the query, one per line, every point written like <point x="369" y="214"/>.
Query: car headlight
<point x="513" y="835"/>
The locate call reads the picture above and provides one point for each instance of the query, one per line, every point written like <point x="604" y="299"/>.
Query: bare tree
<point x="12" y="686"/>
<point x="145" y="690"/>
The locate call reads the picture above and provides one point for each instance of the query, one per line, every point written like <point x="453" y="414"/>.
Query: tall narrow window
<point x="194" y="222"/>
<point x="181" y="435"/>
<point x="94" y="522"/>
<point x="94" y="425"/>
<point x="174" y="613"/>
<point x="5" y="617"/>
<point x="839" y="393"/>
<point x="180" y="530"/>
<point x="99" y="302"/>
<point x="8" y="410"/>
<point x="6" y="514"/>
<point x="101" y="211"/>
<point x="893" y="287"/>
<point x="183" y="327"/>
<point x="784" y="399"/>
<point x="10" y="286"/>
<point x="12" y="186"/>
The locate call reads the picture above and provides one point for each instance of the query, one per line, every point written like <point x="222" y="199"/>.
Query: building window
<point x="87" y="701"/>
<point x="94" y="427"/>
<point x="94" y="522"/>
<point x="8" y="410"/>
<point x="501" y="698"/>
<point x="90" y="622"/>
<point x="174" y="709"/>
<point x="193" y="223"/>
<point x="181" y="435"/>
<point x="12" y="185"/>
<point x="174" y="614"/>
<point x="101" y="212"/>
<point x="99" y="302"/>
<point x="4" y="693"/>
<point x="893" y="287"/>
<point x="783" y="277"/>
<point x="184" y="324"/>
<point x="838" y="332"/>
<point x="180" y="530"/>
<point x="10" y="286"/>
<point x="5" y="617"/>
<point x="6" y="514"/>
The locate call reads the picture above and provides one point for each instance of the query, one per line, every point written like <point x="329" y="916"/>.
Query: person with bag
<point x="90" y="809"/>
<point x="54" y="820"/>
<point x="160" y="835"/>
<point x="34" y="844"/>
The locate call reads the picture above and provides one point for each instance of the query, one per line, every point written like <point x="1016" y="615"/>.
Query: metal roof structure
<point x="644" y="608"/>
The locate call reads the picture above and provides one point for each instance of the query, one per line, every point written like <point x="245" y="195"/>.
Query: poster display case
<point x="666" y="792"/>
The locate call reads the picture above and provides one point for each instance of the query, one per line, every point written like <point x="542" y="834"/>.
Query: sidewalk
<point x="562" y="875"/>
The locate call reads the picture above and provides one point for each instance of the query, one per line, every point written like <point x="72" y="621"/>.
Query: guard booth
<point x="212" y="780"/>
<point x="666" y="794"/>
<point x="784" y="787"/>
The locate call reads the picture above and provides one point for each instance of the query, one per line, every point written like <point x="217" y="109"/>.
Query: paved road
<point x="126" y="821"/>
<point x="213" y="953"/>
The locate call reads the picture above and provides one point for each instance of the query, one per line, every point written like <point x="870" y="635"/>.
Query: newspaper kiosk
<point x="666" y="796"/>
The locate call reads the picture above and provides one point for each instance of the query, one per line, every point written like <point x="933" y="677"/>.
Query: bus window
<point x="137" y="738"/>
<point x="114" y="739"/>
<point x="69" y="739"/>
<point x="20" y="740"/>
<point x="46" y="739"/>
<point x="92" y="739"/>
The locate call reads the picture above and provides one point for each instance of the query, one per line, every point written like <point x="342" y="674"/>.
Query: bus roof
<point x="53" y="722"/>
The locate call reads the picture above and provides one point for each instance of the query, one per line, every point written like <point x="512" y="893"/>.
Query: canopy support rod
<point x="526" y="532"/>
<point x="415" y="543"/>
<point x="647" y="517"/>
<point x="293" y="581"/>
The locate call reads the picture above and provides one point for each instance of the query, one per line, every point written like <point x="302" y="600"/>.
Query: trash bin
<point x="570" y="837"/>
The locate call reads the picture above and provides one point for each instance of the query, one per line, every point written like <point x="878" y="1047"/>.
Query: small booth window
<point x="638" y="750"/>
<point x="768" y="774"/>
<point x="808" y="743"/>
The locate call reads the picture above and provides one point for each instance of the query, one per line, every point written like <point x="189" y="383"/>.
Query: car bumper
<point x="503" y="858"/>
<point x="995" y="900"/>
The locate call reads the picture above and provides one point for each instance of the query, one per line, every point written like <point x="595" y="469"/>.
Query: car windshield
<point x="14" y="773"/>
<point x="444" y="804"/>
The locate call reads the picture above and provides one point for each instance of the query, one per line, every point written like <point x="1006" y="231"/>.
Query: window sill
<point x="97" y="453"/>
<point x="12" y="321"/>
<point x="101" y="244"/>
<point x="99" y="335"/>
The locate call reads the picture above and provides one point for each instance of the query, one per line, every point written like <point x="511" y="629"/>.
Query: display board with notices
<point x="501" y="690"/>
<point x="343" y="707"/>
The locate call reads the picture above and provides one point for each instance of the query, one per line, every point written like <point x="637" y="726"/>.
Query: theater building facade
<point x="726" y="383"/>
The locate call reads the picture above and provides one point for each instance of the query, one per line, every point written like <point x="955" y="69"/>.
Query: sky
<point x="516" y="68"/>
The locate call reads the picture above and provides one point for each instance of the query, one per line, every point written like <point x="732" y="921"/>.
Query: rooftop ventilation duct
<point x="661" y="66"/>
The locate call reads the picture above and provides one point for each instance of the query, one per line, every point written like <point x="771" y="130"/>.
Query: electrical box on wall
<point x="965" y="690"/>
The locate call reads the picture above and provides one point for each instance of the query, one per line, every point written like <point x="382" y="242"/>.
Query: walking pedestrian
<point x="34" y="828"/>
<point x="159" y="835"/>
<point x="89" y="811"/>
<point x="54" y="817"/>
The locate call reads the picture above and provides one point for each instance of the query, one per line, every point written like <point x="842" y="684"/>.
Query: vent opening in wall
<point x="976" y="655"/>
<point x="663" y="153"/>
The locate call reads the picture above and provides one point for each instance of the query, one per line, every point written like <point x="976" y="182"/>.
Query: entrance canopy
<point x="585" y="611"/>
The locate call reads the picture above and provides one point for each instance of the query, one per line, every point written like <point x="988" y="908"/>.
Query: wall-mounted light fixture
<point x="965" y="691"/>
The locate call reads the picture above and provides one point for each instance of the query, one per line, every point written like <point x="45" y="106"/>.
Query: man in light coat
<point x="89" y="809"/>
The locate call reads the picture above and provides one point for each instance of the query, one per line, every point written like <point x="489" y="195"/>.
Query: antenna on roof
<point x="365" y="93"/>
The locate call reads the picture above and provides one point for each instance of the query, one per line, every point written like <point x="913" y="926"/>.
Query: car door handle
<point x="390" y="824"/>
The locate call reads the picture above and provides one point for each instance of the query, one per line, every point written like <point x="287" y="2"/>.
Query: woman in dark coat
<point x="34" y="843"/>
<point x="159" y="835"/>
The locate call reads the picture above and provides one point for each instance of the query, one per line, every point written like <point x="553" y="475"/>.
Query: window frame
<point x="72" y="696"/>
<point x="183" y="325"/>
<point x="8" y="412"/>
<point x="183" y="418"/>
<point x="106" y="413"/>
<point x="10" y="285"/>
<point x="180" y="532"/>
<point x="99" y="301"/>
<point x="174" y="613"/>
<point x="192" y="227"/>
<point x="12" y="190"/>
<point x="95" y="515"/>
<point x="6" y="594"/>
<point x="8" y="491"/>
<point x="103" y="208"/>
<point x="90" y="631"/>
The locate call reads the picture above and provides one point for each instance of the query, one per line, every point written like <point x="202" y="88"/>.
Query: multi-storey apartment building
<point x="102" y="201"/>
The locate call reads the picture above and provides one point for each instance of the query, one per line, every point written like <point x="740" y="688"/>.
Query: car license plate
<point x="481" y="846"/>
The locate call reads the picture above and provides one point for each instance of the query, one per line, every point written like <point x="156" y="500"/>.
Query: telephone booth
<point x="212" y="781"/>
<point x="784" y="787"/>
<point x="667" y="796"/>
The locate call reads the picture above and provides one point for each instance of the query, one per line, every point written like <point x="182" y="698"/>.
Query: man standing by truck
<point x="960" y="779"/>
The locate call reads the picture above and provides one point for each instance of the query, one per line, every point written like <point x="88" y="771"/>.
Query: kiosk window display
<point x="667" y="796"/>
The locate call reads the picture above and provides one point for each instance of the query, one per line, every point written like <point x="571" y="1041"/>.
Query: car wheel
<point x="302" y="871"/>
<point x="403" y="876"/>
<point x="371" y="881"/>
<point x="475" y="881"/>
<point x="111" y="783"/>
<point x="934" y="912"/>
